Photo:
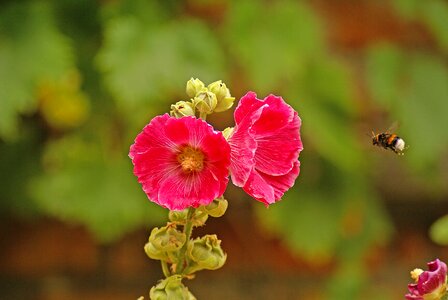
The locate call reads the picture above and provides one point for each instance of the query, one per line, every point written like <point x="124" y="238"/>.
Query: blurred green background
<point x="80" y="78"/>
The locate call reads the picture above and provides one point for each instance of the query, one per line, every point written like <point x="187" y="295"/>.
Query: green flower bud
<point x="224" y="104"/>
<point x="194" y="86"/>
<point x="179" y="217"/>
<point x="205" y="253"/>
<point x="205" y="101"/>
<point x="225" y="100"/>
<point x="163" y="242"/>
<point x="199" y="218"/>
<point x="217" y="208"/>
<point x="228" y="132"/>
<point x="170" y="288"/>
<point x="182" y="109"/>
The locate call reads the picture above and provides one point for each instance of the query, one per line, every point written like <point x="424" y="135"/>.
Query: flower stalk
<point x="165" y="269"/>
<point x="188" y="228"/>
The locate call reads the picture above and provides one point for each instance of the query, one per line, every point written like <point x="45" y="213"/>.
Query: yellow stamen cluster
<point x="416" y="273"/>
<point x="191" y="159"/>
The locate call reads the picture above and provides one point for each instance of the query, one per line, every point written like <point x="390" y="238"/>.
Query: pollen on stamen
<point x="191" y="159"/>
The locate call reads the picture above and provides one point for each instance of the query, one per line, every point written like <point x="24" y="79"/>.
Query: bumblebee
<point x="389" y="141"/>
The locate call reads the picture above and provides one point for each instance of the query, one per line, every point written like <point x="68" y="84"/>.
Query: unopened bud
<point x="170" y="288"/>
<point x="216" y="208"/>
<point x="205" y="253"/>
<point x="223" y="97"/>
<point x="205" y="102"/>
<point x="180" y="217"/>
<point x="163" y="242"/>
<point x="227" y="132"/>
<point x="194" y="86"/>
<point x="182" y="109"/>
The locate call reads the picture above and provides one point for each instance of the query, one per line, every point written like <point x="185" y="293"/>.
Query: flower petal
<point x="259" y="189"/>
<point x="276" y="115"/>
<point x="152" y="134"/>
<point x="276" y="153"/>
<point x="155" y="156"/>
<point x="269" y="189"/>
<point x="179" y="191"/>
<point x="243" y="147"/>
<point x="247" y="105"/>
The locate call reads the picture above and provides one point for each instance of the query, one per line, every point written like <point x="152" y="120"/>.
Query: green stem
<point x="188" y="228"/>
<point x="203" y="116"/>
<point x="165" y="269"/>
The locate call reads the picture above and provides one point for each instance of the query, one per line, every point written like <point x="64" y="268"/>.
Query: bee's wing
<point x="393" y="127"/>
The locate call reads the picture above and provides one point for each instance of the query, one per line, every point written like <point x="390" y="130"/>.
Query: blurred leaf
<point x="18" y="165"/>
<point x="329" y="81"/>
<point x="435" y="14"/>
<point x="331" y="135"/>
<point x="334" y="215"/>
<point x="423" y="110"/>
<point x="348" y="281"/>
<point x="143" y="62"/>
<point x="62" y="104"/>
<point x="439" y="231"/>
<point x="327" y="111"/>
<point x="30" y="51"/>
<point x="384" y="67"/>
<point x="407" y="8"/>
<point x="307" y="223"/>
<point x="272" y="41"/>
<point x="104" y="196"/>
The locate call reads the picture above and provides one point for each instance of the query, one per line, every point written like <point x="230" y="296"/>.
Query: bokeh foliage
<point x="79" y="79"/>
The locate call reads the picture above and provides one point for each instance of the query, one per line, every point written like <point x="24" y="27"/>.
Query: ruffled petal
<point x="243" y="147"/>
<point x="181" y="191"/>
<point x="277" y="153"/>
<point x="247" y="105"/>
<point x="214" y="153"/>
<point x="151" y="135"/>
<point x="269" y="189"/>
<point x="155" y="155"/>
<point x="152" y="166"/>
<point x="282" y="183"/>
<point x="259" y="189"/>
<point x="276" y="115"/>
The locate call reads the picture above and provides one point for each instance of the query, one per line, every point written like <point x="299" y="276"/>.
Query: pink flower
<point x="265" y="147"/>
<point x="430" y="285"/>
<point x="181" y="162"/>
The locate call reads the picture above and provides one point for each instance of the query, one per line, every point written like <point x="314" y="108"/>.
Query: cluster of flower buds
<point x="205" y="100"/>
<point x="164" y="243"/>
<point x="182" y="255"/>
<point x="170" y="288"/>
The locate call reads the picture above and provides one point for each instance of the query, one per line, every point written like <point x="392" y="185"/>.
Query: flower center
<point x="191" y="159"/>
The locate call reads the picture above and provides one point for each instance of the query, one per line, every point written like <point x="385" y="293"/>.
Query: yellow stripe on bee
<point x="391" y="139"/>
